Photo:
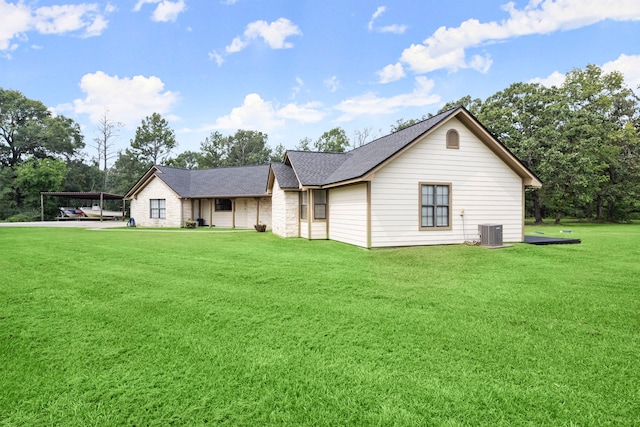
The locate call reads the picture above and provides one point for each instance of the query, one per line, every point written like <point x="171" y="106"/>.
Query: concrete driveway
<point x="80" y="224"/>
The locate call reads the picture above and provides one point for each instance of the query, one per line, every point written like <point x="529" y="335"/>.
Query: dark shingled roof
<point x="241" y="181"/>
<point x="312" y="167"/>
<point x="316" y="169"/>
<point x="285" y="175"/>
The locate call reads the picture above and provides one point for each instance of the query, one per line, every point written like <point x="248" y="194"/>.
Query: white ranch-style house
<point x="429" y="184"/>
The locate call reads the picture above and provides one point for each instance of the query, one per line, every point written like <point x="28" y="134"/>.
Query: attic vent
<point x="453" y="139"/>
<point x="490" y="234"/>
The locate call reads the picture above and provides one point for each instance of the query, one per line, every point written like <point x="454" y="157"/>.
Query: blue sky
<point x="295" y="69"/>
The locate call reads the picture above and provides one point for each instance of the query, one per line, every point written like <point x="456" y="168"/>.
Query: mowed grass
<point x="125" y="327"/>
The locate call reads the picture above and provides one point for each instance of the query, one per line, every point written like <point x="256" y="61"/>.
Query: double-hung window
<point x="157" y="208"/>
<point x="435" y="206"/>
<point x="319" y="204"/>
<point x="304" y="205"/>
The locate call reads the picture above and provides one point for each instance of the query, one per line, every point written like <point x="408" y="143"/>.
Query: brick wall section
<point x="284" y="211"/>
<point x="156" y="189"/>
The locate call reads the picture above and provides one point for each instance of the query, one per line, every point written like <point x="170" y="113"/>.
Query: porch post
<point x="233" y="213"/>
<point x="257" y="210"/>
<point x="211" y="212"/>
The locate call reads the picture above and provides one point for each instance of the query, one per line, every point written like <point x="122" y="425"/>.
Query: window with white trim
<point x="157" y="208"/>
<point x="435" y="206"/>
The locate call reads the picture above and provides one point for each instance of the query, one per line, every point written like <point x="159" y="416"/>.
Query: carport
<point x="82" y="195"/>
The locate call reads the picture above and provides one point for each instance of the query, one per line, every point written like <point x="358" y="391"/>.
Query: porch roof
<point x="229" y="182"/>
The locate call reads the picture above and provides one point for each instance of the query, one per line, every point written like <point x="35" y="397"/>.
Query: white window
<point x="157" y="208"/>
<point x="435" y="206"/>
<point x="319" y="204"/>
<point x="304" y="205"/>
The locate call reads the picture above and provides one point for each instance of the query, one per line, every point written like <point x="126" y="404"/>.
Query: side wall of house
<point x="284" y="211"/>
<point x="348" y="214"/>
<point x="140" y="206"/>
<point x="482" y="185"/>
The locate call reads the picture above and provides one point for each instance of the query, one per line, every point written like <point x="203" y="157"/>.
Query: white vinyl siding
<point x="348" y="214"/>
<point x="318" y="230"/>
<point x="304" y="229"/>
<point x="481" y="184"/>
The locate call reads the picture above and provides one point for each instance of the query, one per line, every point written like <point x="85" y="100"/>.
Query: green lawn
<point x="125" y="327"/>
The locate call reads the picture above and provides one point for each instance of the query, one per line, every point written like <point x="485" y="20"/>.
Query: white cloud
<point x="215" y="56"/>
<point x="166" y="11"/>
<point x="257" y="114"/>
<point x="304" y="113"/>
<point x="237" y="44"/>
<point x="379" y="11"/>
<point x="394" y="28"/>
<point x="16" y="20"/>
<point x="274" y="34"/>
<point x="297" y="88"/>
<point x="332" y="84"/>
<point x="446" y="48"/>
<point x="554" y="79"/>
<point x="391" y="73"/>
<point x="140" y="3"/>
<point x="371" y="104"/>
<point x="129" y="99"/>
<point x="628" y="65"/>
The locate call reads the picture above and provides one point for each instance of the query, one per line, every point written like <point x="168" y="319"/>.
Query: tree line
<point x="582" y="139"/>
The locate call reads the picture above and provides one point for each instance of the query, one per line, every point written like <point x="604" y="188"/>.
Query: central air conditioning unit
<point x="490" y="234"/>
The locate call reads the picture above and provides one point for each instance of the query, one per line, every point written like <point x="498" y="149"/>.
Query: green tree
<point x="186" y="160"/>
<point x="581" y="139"/>
<point x="36" y="175"/>
<point x="248" y="147"/>
<point x="334" y="140"/>
<point x="126" y="171"/>
<point x="154" y="140"/>
<point x="215" y="150"/>
<point x="602" y="128"/>
<point x="245" y="147"/>
<point x="473" y="105"/>
<point x="29" y="131"/>
<point x="525" y="117"/>
<point x="82" y="176"/>
<point x="304" y="144"/>
<point x="278" y="153"/>
<point x="403" y="124"/>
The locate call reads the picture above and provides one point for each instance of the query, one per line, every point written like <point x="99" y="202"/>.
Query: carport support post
<point x="101" y="202"/>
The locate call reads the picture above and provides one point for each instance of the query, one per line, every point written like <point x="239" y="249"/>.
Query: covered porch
<point x="228" y="212"/>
